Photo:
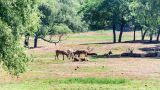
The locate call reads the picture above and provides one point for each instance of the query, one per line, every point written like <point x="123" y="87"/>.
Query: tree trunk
<point x="158" y="35"/>
<point x="151" y="38"/>
<point x="114" y="33"/>
<point x="134" y="38"/>
<point x="35" y="41"/>
<point x="143" y="35"/>
<point x="26" y="41"/>
<point x="121" y="33"/>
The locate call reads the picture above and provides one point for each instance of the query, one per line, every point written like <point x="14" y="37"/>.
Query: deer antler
<point x="90" y="49"/>
<point x="131" y="49"/>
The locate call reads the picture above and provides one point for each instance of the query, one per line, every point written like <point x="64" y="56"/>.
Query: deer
<point x="76" y="59"/>
<point x="129" y="52"/>
<point x="61" y="52"/>
<point x="83" y="59"/>
<point x="109" y="53"/>
<point x="83" y="52"/>
<point x="70" y="54"/>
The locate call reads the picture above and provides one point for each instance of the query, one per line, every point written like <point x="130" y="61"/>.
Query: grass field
<point x="46" y="73"/>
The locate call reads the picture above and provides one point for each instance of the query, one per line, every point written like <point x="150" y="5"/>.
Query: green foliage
<point x="16" y="17"/>
<point x="59" y="29"/>
<point x="60" y="17"/>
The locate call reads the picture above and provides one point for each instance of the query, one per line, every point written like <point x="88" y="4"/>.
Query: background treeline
<point x="143" y="15"/>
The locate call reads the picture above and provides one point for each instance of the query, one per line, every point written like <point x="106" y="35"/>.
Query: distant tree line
<point x="143" y="15"/>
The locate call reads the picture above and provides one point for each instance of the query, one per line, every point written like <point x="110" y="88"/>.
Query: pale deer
<point x="61" y="52"/>
<point x="70" y="54"/>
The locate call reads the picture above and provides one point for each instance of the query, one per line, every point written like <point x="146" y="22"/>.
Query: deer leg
<point x="69" y="57"/>
<point x="63" y="57"/>
<point x="56" y="56"/>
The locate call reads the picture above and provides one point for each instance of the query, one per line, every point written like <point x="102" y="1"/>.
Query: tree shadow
<point x="117" y="56"/>
<point x="136" y="41"/>
<point x="150" y="49"/>
<point x="142" y="41"/>
<point x="97" y="43"/>
<point x="107" y="56"/>
<point x="36" y="47"/>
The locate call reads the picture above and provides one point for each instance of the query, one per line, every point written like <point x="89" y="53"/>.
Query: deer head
<point x="130" y="50"/>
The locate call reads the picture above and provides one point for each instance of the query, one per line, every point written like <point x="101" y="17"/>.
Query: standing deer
<point x="83" y="52"/>
<point x="61" y="52"/>
<point x="70" y="54"/>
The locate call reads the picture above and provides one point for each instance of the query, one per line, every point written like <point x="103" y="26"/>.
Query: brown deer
<point x="83" y="52"/>
<point x="109" y="53"/>
<point x="129" y="53"/>
<point x="76" y="59"/>
<point x="61" y="52"/>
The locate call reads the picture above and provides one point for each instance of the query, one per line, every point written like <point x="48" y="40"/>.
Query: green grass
<point x="45" y="84"/>
<point x="92" y="81"/>
<point x="92" y="37"/>
<point x="93" y="69"/>
<point x="83" y="84"/>
<point x="43" y="55"/>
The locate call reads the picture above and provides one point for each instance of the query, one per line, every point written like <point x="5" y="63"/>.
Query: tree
<point x="59" y="12"/>
<point x="147" y="15"/>
<point x="16" y="17"/>
<point x="109" y="12"/>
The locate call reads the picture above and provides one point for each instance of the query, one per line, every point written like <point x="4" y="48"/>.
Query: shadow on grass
<point x="97" y="43"/>
<point x="134" y="55"/>
<point x="36" y="47"/>
<point x="137" y="41"/>
<point x="142" y="41"/>
<point x="150" y="49"/>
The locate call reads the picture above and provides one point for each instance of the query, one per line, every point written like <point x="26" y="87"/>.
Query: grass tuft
<point x="89" y="81"/>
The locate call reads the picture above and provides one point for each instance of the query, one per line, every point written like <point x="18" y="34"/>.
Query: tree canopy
<point x="16" y="17"/>
<point x="58" y="12"/>
<point x="141" y="14"/>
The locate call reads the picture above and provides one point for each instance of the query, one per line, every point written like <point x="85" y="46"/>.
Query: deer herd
<point x="81" y="55"/>
<point x="77" y="55"/>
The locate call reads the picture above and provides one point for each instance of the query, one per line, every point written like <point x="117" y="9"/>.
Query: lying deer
<point x="61" y="52"/>
<point x="77" y="59"/>
<point x="108" y="54"/>
<point x="128" y="53"/>
<point x="84" y="59"/>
